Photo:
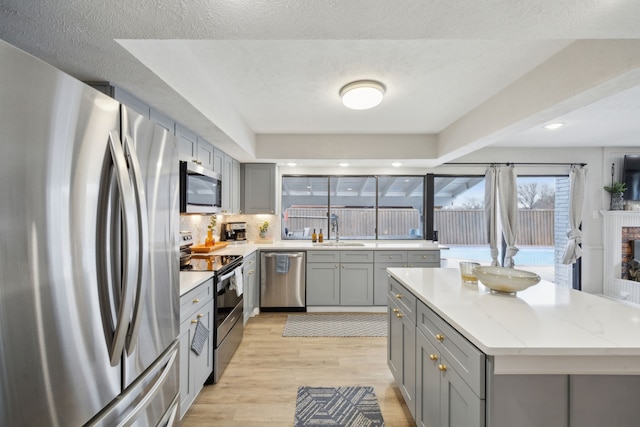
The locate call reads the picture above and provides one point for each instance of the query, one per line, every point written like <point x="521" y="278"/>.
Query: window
<point x="362" y="207"/>
<point x="459" y="218"/>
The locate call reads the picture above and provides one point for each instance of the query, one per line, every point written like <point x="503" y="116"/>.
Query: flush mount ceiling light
<point x="396" y="164"/>
<point x="362" y="94"/>
<point x="552" y="126"/>
<point x="292" y="164"/>
<point x="344" y="165"/>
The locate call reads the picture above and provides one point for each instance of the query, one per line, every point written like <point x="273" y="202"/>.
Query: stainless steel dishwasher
<point x="282" y="281"/>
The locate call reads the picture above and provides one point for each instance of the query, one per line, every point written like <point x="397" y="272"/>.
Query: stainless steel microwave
<point x="200" y="189"/>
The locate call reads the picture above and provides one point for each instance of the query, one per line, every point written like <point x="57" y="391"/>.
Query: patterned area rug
<point x="337" y="406"/>
<point x="336" y="325"/>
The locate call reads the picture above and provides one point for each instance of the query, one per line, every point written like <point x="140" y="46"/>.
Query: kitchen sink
<point x="339" y="244"/>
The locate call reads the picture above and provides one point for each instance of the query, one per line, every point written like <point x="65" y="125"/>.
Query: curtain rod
<point x="517" y="163"/>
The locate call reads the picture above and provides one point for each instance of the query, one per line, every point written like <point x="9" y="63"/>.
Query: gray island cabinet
<point x="548" y="356"/>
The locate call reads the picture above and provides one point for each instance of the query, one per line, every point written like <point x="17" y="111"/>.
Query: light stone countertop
<point x="191" y="279"/>
<point x="544" y="329"/>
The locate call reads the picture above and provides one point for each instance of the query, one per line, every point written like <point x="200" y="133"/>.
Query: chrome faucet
<point x="334" y="226"/>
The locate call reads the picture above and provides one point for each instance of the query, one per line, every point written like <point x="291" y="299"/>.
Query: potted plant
<point x="617" y="190"/>
<point x="263" y="229"/>
<point x="210" y="241"/>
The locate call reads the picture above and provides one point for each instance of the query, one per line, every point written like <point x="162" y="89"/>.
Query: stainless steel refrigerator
<point x="89" y="260"/>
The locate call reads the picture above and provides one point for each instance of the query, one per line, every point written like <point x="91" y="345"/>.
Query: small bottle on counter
<point x="314" y="236"/>
<point x="320" y="236"/>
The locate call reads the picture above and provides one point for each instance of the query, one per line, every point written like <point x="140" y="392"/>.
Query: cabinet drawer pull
<point x="395" y="310"/>
<point x="398" y="315"/>
<point x="442" y="367"/>
<point x="196" y="300"/>
<point x="194" y="321"/>
<point x="398" y="296"/>
<point x="440" y="337"/>
<point x="336" y="265"/>
<point x="433" y="357"/>
<point x="200" y="316"/>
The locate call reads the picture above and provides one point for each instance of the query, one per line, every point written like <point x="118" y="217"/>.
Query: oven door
<point x="200" y="189"/>
<point x="228" y="305"/>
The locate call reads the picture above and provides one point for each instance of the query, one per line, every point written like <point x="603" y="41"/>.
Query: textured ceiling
<point x="461" y="74"/>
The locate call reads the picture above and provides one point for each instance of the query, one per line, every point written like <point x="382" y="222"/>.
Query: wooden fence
<point x="353" y="222"/>
<point x="467" y="227"/>
<point x="455" y="227"/>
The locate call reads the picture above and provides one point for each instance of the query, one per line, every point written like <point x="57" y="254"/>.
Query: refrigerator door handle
<point x="116" y="342"/>
<point x="143" y="245"/>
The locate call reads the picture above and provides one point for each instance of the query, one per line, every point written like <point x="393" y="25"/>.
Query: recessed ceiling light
<point x="362" y="94"/>
<point x="396" y="164"/>
<point x="292" y="164"/>
<point x="554" y="126"/>
<point x="344" y="165"/>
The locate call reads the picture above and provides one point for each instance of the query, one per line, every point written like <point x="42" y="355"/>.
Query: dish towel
<point x="282" y="263"/>
<point x="236" y="281"/>
<point x="199" y="338"/>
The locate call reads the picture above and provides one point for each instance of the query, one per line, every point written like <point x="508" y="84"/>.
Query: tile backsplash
<point x="197" y="225"/>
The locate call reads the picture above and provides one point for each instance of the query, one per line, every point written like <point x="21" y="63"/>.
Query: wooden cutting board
<point x="206" y="249"/>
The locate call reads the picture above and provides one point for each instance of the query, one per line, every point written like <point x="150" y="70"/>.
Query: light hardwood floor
<point x="260" y="384"/>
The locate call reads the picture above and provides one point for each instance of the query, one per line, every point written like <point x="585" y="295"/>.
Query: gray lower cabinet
<point x="440" y="374"/>
<point x="196" y="305"/>
<point x="251" y="298"/>
<point x="323" y="283"/>
<point x="340" y="278"/>
<point x="442" y="397"/>
<point x="398" y="259"/>
<point x="401" y="350"/>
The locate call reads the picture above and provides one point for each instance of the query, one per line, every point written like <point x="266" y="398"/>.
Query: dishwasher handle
<point x="289" y="254"/>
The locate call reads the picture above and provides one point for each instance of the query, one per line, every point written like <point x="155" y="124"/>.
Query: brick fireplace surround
<point x="619" y="228"/>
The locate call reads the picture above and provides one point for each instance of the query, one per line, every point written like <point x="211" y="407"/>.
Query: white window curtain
<point x="573" y="250"/>
<point x="491" y="212"/>
<point x="501" y="202"/>
<point x="508" y="202"/>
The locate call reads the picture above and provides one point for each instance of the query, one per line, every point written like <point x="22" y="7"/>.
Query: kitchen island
<point x="547" y="356"/>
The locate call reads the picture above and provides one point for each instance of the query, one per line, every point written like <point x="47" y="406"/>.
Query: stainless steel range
<point x="228" y="303"/>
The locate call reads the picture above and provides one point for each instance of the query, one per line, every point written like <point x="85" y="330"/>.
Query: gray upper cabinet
<point x="192" y="148"/>
<point x="258" y="189"/>
<point x="205" y="154"/>
<point x="229" y="169"/>
<point x="227" y="183"/>
<point x="187" y="144"/>
<point x="218" y="160"/>
<point x="235" y="186"/>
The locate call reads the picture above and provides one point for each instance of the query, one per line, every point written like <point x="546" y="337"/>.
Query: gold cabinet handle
<point x="442" y="367"/>
<point x="194" y="321"/>
<point x="433" y="356"/>
<point x="398" y="296"/>
<point x="440" y="337"/>
<point x="200" y="316"/>
<point x="424" y="257"/>
<point x="398" y="315"/>
<point x="196" y="300"/>
<point x="395" y="310"/>
<point x="404" y="265"/>
<point x="390" y="256"/>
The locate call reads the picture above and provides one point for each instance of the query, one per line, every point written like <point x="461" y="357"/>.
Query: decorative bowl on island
<point x="507" y="280"/>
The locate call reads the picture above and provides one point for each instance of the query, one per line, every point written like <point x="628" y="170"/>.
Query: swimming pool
<point x="527" y="255"/>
